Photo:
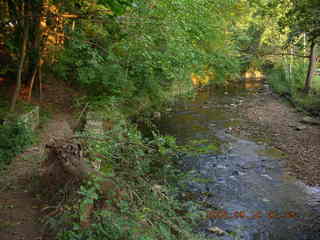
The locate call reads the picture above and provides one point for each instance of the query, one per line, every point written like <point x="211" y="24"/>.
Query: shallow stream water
<point x="244" y="187"/>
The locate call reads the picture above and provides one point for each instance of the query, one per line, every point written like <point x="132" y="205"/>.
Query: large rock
<point x="310" y="120"/>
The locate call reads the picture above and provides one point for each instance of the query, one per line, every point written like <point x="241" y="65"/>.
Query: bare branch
<point x="286" y="54"/>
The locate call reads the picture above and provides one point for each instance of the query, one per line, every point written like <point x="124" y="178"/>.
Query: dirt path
<point x="21" y="207"/>
<point x="270" y="117"/>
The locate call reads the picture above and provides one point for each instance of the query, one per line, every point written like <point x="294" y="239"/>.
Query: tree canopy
<point x="143" y="48"/>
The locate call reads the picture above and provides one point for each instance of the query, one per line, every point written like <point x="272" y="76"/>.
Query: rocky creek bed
<point x="249" y="189"/>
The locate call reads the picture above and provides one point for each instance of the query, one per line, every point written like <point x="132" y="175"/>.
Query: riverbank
<point x="146" y="175"/>
<point x="43" y="201"/>
<point x="272" y="118"/>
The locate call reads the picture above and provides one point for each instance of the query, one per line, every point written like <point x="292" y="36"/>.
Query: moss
<point x="202" y="146"/>
<point x="273" y="153"/>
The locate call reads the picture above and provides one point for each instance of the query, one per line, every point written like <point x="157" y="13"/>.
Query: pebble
<point x="291" y="124"/>
<point x="217" y="231"/>
<point x="300" y="127"/>
<point x="220" y="180"/>
<point x="233" y="177"/>
<point x="249" y="165"/>
<point x="266" y="176"/>
<point x="221" y="166"/>
<point x="235" y="173"/>
<point x="310" y="120"/>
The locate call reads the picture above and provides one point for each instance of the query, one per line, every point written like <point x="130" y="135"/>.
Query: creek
<point x="243" y="187"/>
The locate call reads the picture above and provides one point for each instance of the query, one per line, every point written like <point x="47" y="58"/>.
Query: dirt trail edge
<point x="267" y="116"/>
<point x="20" y="207"/>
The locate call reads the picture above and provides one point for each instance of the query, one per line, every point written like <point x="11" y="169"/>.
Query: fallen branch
<point x="285" y="54"/>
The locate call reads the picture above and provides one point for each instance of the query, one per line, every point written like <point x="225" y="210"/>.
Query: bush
<point x="144" y="171"/>
<point x="283" y="82"/>
<point x="279" y="79"/>
<point x="14" y="138"/>
<point x="148" y="56"/>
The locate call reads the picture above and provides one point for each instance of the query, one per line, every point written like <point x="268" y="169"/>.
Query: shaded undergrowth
<point x="145" y="207"/>
<point x="289" y="82"/>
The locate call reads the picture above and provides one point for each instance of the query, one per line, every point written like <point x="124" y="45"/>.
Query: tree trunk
<point x="304" y="45"/>
<point x="311" y="68"/>
<point x="33" y="78"/>
<point x="23" y="54"/>
<point x="37" y="47"/>
<point x="40" y="80"/>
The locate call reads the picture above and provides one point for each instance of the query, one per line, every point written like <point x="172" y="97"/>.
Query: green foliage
<point x="278" y="80"/>
<point x="286" y="83"/>
<point x="202" y="146"/>
<point x="149" y="216"/>
<point x="257" y="33"/>
<point x="151" y="49"/>
<point x="14" y="138"/>
<point x="302" y="17"/>
<point x="117" y="7"/>
<point x="144" y="171"/>
<point x="291" y="85"/>
<point x="85" y="64"/>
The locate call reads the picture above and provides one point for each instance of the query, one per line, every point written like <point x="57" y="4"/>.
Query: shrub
<point x="285" y="83"/>
<point x="144" y="171"/>
<point x="14" y="138"/>
<point x="153" y="48"/>
<point x="291" y="87"/>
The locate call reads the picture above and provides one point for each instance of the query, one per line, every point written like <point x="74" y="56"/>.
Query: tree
<point x="302" y="18"/>
<point x="27" y="25"/>
<point x="153" y="46"/>
<point x="121" y="47"/>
